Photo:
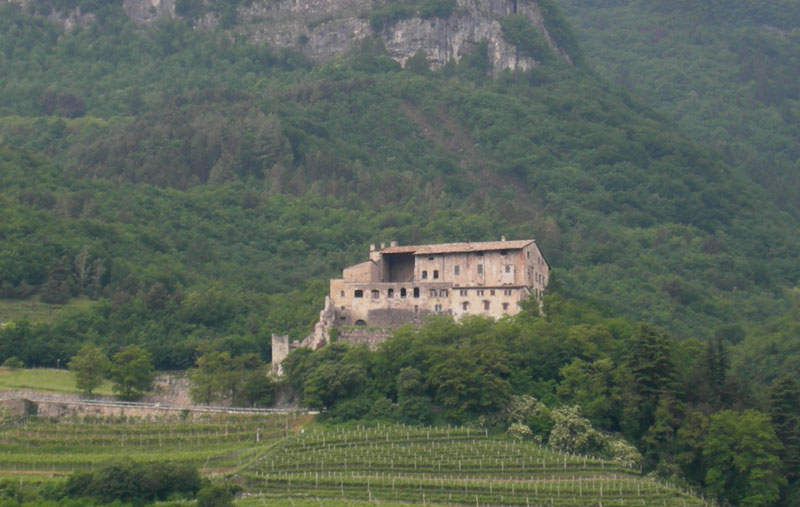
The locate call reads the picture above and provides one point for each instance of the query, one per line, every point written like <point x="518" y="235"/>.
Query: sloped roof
<point x="471" y="246"/>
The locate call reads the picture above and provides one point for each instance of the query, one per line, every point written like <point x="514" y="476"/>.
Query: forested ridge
<point x="200" y="190"/>
<point x="727" y="74"/>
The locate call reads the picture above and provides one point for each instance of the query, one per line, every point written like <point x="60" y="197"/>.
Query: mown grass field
<point x="44" y="379"/>
<point x="461" y="466"/>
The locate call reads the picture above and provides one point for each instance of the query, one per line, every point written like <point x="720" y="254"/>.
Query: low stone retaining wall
<point x="47" y="406"/>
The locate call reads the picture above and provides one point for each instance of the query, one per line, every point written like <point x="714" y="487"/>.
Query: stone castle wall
<point x="371" y="337"/>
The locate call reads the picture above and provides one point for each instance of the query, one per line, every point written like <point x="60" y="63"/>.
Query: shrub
<point x="389" y="14"/>
<point x="519" y="31"/>
<point x="436" y="8"/>
<point x="214" y="495"/>
<point x="520" y="431"/>
<point x="128" y="481"/>
<point x="13" y="363"/>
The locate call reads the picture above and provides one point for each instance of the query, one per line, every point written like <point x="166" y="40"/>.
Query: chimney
<point x="383" y="245"/>
<point x="372" y="247"/>
<point x="393" y="243"/>
<point x="502" y="238"/>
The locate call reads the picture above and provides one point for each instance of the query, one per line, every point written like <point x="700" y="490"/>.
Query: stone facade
<point x="399" y="284"/>
<point x="402" y="284"/>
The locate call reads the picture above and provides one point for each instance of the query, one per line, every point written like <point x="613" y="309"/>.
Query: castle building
<point x="399" y="284"/>
<point x="402" y="284"/>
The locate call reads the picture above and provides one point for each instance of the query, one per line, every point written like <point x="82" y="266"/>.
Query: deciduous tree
<point x="90" y="366"/>
<point x="741" y="454"/>
<point x="131" y="372"/>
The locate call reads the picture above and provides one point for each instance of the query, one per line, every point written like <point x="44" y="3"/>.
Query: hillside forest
<point x="185" y="191"/>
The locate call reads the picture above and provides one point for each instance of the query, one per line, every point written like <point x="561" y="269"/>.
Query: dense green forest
<point x="200" y="190"/>
<point x="727" y="75"/>
<point x="627" y="209"/>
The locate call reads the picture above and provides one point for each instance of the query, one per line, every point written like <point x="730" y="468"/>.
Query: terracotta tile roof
<point x="476" y="246"/>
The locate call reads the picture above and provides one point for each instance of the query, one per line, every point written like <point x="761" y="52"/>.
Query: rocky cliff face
<point x="325" y="29"/>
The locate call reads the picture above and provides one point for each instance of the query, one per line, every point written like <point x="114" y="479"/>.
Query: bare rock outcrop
<point x="325" y="29"/>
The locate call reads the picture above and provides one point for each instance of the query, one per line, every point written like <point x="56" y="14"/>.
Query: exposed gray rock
<point x="325" y="29"/>
<point x="144" y="12"/>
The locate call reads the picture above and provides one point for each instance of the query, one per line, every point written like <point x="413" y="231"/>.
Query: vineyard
<point x="274" y="461"/>
<point x="443" y="465"/>
<point x="213" y="443"/>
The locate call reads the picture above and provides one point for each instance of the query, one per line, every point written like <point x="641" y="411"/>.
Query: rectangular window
<point x="465" y="306"/>
<point x="485" y="305"/>
<point x="480" y="292"/>
<point x="508" y="268"/>
<point x="491" y="292"/>
<point x="480" y="269"/>
<point x="342" y="294"/>
<point x="443" y="293"/>
<point x="358" y="294"/>
<point x="424" y="275"/>
<point x="376" y="294"/>
<point x="505" y="307"/>
<point x="437" y="308"/>
<point x="463" y="292"/>
<point x="435" y="274"/>
<point x="390" y="293"/>
<point x="433" y="293"/>
<point x="507" y="292"/>
<point x="456" y="270"/>
<point x="416" y="292"/>
<point x="403" y="292"/>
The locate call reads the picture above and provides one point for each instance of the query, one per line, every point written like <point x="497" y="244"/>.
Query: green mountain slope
<point x="194" y="184"/>
<point x="727" y="74"/>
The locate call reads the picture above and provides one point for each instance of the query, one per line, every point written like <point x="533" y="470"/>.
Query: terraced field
<point x="441" y="465"/>
<point x="214" y="443"/>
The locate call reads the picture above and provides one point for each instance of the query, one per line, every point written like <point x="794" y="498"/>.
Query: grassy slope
<point x="34" y="311"/>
